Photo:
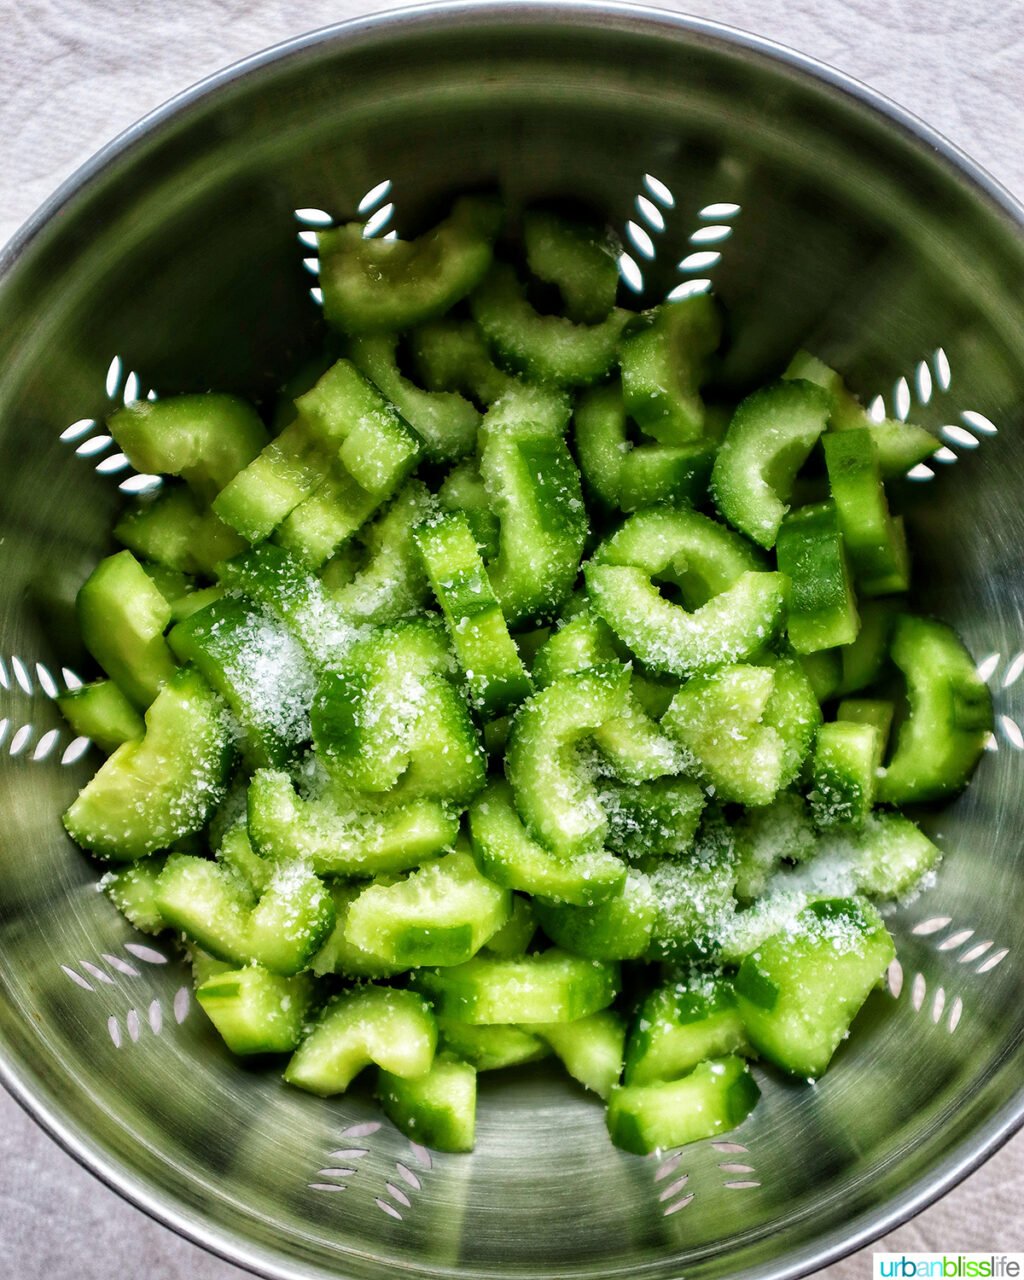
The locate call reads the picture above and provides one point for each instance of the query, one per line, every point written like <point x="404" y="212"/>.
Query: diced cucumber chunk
<point x="822" y="609"/>
<point x="793" y="712"/>
<point x="256" y="1011"/>
<point x="558" y="803"/>
<point x="133" y="891"/>
<point x="509" y="856"/>
<point x="158" y="788"/>
<point x="437" y="1109"/>
<point x="663" y="365"/>
<point x="590" y="1048"/>
<point x="374" y="285"/>
<point x="491" y="1048"/>
<point x="800" y="990"/>
<point x="680" y="1025"/>
<point x="282" y="928"/>
<point x="283" y="588"/>
<point x="694" y="897"/>
<point x="345" y="837"/>
<point x="388" y="714"/>
<point x="863" y="663"/>
<point x="100" y="711"/>
<point x="533" y="487"/>
<point x="205" y="439"/>
<point x="393" y="1029"/>
<point x="616" y="928"/>
<point x="236" y="852"/>
<point x="441" y="914"/>
<point x="874" y="541"/>
<point x="941" y="740"/>
<point x="122" y="616"/>
<point x="551" y="986"/>
<point x="768" y="440"/>
<point x="175" y="530"/>
<point x="463" y="492"/>
<point x="488" y="656"/>
<point x="847" y="757"/>
<point x="714" y="1098"/>
<point x="720" y="719"/>
<point x="259" y="668"/>
<point x="873" y="711"/>
<point x="346" y="440"/>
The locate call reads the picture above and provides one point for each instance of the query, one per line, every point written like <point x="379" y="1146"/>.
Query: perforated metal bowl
<point x="822" y="216"/>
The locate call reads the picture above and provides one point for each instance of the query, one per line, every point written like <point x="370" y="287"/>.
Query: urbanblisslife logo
<point x="948" y="1266"/>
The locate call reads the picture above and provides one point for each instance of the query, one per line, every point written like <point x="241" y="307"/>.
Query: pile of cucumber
<point x="509" y="696"/>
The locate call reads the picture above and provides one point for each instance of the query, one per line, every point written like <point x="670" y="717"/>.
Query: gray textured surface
<point x="75" y="72"/>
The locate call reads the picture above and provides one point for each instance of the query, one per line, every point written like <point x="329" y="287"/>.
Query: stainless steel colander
<point x="823" y="217"/>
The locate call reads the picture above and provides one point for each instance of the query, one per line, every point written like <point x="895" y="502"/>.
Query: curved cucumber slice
<point x="551" y="986"/>
<point x="651" y="818"/>
<point x="800" y="990"/>
<point x="371" y="285"/>
<point x="719" y="718"/>
<point x="508" y="856"/>
<point x="663" y="366"/>
<point x="590" y="1049"/>
<point x="441" y="914"/>
<point x="205" y="439"/>
<point x="491" y="1048"/>
<point x="679" y="1026"/>
<point x="394" y="1029"/>
<point x="444" y="421"/>
<point x="767" y="442"/>
<point x="616" y="928"/>
<point x="163" y="786"/>
<point x="437" y="1109"/>
<point x="282" y="929"/>
<point x="543" y="348"/>
<point x="390" y="584"/>
<point x="950" y="718"/>
<point x="452" y="355"/>
<point x="344" y="839"/>
<point x="714" y="1098"/>
<point x="579" y="258"/>
<point x="122" y="617"/>
<point x="257" y="1011"/>
<point x="556" y="799"/>
<point x="665" y="637"/>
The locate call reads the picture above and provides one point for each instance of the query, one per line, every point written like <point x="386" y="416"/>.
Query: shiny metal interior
<point x="858" y="234"/>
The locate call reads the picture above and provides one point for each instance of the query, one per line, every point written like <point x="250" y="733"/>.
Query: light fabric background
<point x="75" y="72"/>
